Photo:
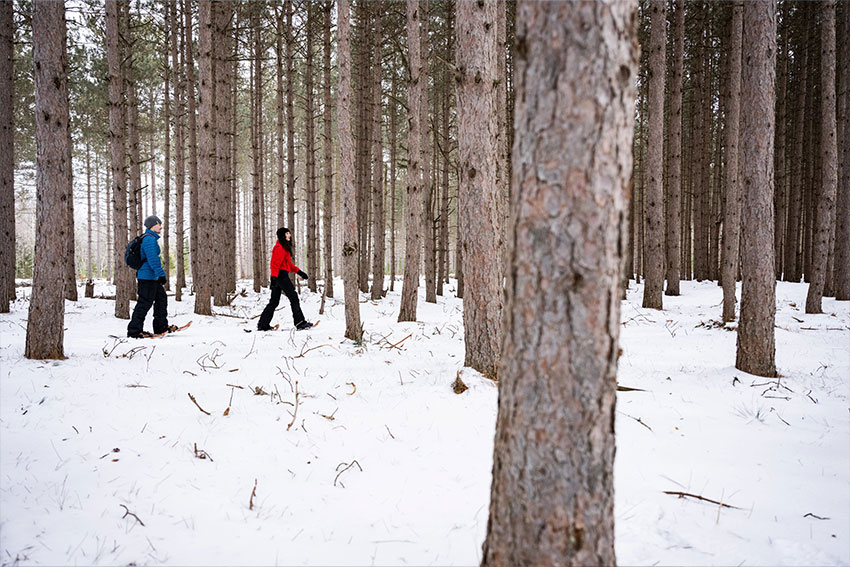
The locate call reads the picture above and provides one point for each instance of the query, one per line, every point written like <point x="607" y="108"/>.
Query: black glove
<point x="302" y="274"/>
<point x="162" y="280"/>
<point x="273" y="282"/>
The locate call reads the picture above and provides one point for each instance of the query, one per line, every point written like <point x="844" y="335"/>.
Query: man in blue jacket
<point x="151" y="280"/>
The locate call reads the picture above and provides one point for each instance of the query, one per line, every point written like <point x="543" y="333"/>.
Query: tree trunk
<point x="780" y="208"/>
<point x="222" y="203"/>
<point x="363" y="141"/>
<point x="89" y="228"/>
<point x="166" y="213"/>
<point x="410" y="286"/>
<point x="795" y="198"/>
<point x="256" y="137"/>
<point x="425" y="160"/>
<point x="118" y="165"/>
<point x="281" y="173"/>
<point x="377" y="161"/>
<point x="353" y="330"/>
<point x="654" y="284"/>
<point x="393" y="151"/>
<point x="755" y="353"/>
<point x="7" y="157"/>
<point x="310" y="240"/>
<point x="825" y="195"/>
<point x="189" y="70"/>
<point x="179" y="151"/>
<point x="674" y="185"/>
<point x="46" y="318"/>
<point x="732" y="204"/>
<point x="552" y="500"/>
<point x="842" y="215"/>
<point x="478" y="190"/>
<point x="290" y="121"/>
<point x="202" y="279"/>
<point x="327" y="144"/>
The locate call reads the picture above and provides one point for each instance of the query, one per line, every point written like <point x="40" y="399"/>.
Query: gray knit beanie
<point x="152" y="220"/>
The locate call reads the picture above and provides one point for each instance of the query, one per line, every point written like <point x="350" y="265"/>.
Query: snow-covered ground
<point x="334" y="453"/>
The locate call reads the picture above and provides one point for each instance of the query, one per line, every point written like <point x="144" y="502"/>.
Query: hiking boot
<point x="266" y="328"/>
<point x="172" y="328"/>
<point x="304" y="325"/>
<point x="140" y="335"/>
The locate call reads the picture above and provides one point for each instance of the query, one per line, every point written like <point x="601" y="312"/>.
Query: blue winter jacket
<point x="151" y="266"/>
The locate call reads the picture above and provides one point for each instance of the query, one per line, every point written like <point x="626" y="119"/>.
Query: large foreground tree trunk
<point x="118" y="161"/>
<point x="7" y="158"/>
<point x="45" y="323"/>
<point x="552" y="500"/>
<point x="674" y="173"/>
<point x="842" y="215"/>
<point x="755" y="353"/>
<point x="479" y="192"/>
<point x="350" y="266"/>
<point x="413" y="228"/>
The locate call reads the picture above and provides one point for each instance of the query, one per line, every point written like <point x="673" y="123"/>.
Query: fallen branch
<point x="252" y="348"/>
<point x="354" y="462"/>
<point x="815" y="516"/>
<point x="390" y="432"/>
<point x="303" y="352"/>
<point x="127" y="512"/>
<point x="194" y="401"/>
<point x="295" y="412"/>
<point x="698" y="497"/>
<point x="395" y="345"/>
<point x="253" y="494"/>
<point x="190" y="373"/>
<point x="201" y="454"/>
<point x="637" y="419"/>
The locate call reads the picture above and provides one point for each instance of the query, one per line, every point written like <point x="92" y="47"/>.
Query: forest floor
<point x="320" y="451"/>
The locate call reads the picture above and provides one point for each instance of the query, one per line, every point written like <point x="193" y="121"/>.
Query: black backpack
<point x="133" y="253"/>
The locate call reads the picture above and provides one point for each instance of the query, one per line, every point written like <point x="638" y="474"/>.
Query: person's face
<point x="287" y="235"/>
<point x="157" y="228"/>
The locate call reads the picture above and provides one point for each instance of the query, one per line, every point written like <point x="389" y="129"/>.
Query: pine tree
<point x="7" y="157"/>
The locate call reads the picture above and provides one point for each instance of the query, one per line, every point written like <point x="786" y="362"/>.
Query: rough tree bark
<point x="179" y="152"/>
<point x="327" y="145"/>
<point x="222" y="204"/>
<point x="826" y="192"/>
<point x="430" y="265"/>
<point x="755" y="350"/>
<point x="353" y="330"/>
<point x="780" y="207"/>
<point x="7" y="157"/>
<point x="45" y="321"/>
<point x="189" y="75"/>
<point x="413" y="230"/>
<point x="674" y="172"/>
<point x="842" y="215"/>
<point x="290" y="122"/>
<point x="205" y="203"/>
<point x="478" y="190"/>
<point x="732" y="203"/>
<point x="377" y="161"/>
<point x="166" y="213"/>
<point x="118" y="160"/>
<point x="552" y="500"/>
<point x="654" y="267"/>
<point x="312" y="191"/>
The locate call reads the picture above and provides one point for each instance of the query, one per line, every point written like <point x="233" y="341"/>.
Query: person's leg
<point x="294" y="302"/>
<point x="160" y="310"/>
<point x="266" y="318"/>
<point x="147" y="293"/>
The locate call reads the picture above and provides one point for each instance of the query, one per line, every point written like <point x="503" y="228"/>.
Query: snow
<point x="383" y="464"/>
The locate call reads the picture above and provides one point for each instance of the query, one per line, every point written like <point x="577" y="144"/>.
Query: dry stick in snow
<point x="698" y="497"/>
<point x="295" y="412"/>
<point x="252" y="348"/>
<point x="401" y="341"/>
<point x="354" y="462"/>
<point x="253" y="494"/>
<point x="303" y="352"/>
<point x="194" y="401"/>
<point x="127" y="512"/>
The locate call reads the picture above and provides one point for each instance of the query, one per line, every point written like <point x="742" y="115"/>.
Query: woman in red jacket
<point x="281" y="264"/>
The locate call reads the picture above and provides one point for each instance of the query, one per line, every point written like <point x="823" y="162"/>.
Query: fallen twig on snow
<point x="295" y="412"/>
<point x="627" y="389"/>
<point x="354" y="462"/>
<point x="253" y="494"/>
<point x="252" y="348"/>
<point x="201" y="454"/>
<point x="194" y="401"/>
<point x="303" y="352"/>
<point x="390" y="432"/>
<point x="698" y="497"/>
<point x="395" y="345"/>
<point x="816" y="517"/>
<point x="227" y="410"/>
<point x="115" y="344"/>
<point x="353" y="391"/>
<point x="637" y="419"/>
<point x="127" y="512"/>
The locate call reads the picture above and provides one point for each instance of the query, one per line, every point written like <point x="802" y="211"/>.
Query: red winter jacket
<point x="281" y="260"/>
